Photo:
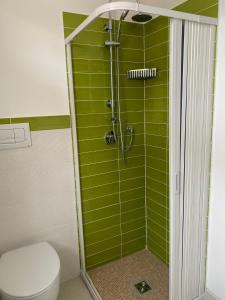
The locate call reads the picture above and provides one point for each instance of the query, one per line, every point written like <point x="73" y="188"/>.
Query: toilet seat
<point x="29" y="271"/>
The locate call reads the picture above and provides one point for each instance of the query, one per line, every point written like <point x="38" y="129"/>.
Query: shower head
<point x="141" y="18"/>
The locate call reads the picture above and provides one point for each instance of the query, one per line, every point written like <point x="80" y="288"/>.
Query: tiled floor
<point x="74" y="290"/>
<point x="116" y="280"/>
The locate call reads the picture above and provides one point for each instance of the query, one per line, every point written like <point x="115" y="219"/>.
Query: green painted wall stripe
<point x="41" y="123"/>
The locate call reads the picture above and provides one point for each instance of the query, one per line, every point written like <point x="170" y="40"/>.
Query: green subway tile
<point x="89" y="52"/>
<point x="95" y="38"/>
<point x="157" y="51"/>
<point x="156" y="129"/>
<point x="136" y="150"/>
<point x="161" y="231"/>
<point x="156" y="24"/>
<point x="157" y="164"/>
<point x="159" y="187"/>
<point x="125" y="82"/>
<point x="132" y="28"/>
<point x="132" y="204"/>
<point x="131" y="55"/>
<point x="130" y="93"/>
<point x="161" y="63"/>
<point x="103" y="257"/>
<point x="127" y="41"/>
<point x="45" y="123"/>
<point x="132" y="173"/>
<point x="159" y="240"/>
<point x="100" y="202"/>
<point x="157" y="37"/>
<point x="132" y="183"/>
<point x="153" y="195"/>
<point x="210" y="12"/>
<point x="130" y="117"/>
<point x="99" y="179"/>
<point x="138" y="139"/>
<point x="98" y="156"/>
<point x="101" y="213"/>
<point x="133" y="214"/>
<point x="131" y="162"/>
<point x="107" y="244"/>
<point x="91" y="107"/>
<point x="133" y="193"/>
<point x="157" y="208"/>
<point x="157" y="175"/>
<point x="98" y="168"/>
<point x="157" y="250"/>
<point x="101" y="235"/>
<point x="4" y="121"/>
<point x="156" y="152"/>
<point x="72" y="20"/>
<point x="161" y="78"/>
<point x="99" y="191"/>
<point x="97" y="144"/>
<point x="133" y="246"/>
<point x="132" y="105"/>
<point x="157" y="91"/>
<point x="155" y="217"/>
<point x="90" y="66"/>
<point x="92" y="80"/>
<point x="157" y="141"/>
<point x="192" y="6"/>
<point x="156" y="116"/>
<point x="133" y="235"/>
<point x="92" y="94"/>
<point x="125" y="66"/>
<point x="85" y="133"/>
<point x="100" y="224"/>
<point x="133" y="224"/>
<point x="93" y="120"/>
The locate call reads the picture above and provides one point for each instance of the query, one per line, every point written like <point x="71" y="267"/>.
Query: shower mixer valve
<point x="110" y="138"/>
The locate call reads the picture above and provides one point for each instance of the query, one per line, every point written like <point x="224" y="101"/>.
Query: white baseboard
<point x="208" y="296"/>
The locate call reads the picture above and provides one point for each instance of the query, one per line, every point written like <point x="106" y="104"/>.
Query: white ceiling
<point x="87" y="6"/>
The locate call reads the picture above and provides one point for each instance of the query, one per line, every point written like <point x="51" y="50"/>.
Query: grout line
<point x="107" y="161"/>
<point x="137" y="123"/>
<point x="159" y="204"/>
<point x="156" y="45"/>
<point x="154" y="32"/>
<point x="159" y="215"/>
<point x="101" y="138"/>
<point x="104" y="173"/>
<point x="145" y="143"/>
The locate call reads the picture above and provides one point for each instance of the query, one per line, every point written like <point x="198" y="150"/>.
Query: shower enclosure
<point x="141" y="106"/>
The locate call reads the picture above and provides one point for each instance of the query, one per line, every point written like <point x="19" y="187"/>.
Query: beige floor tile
<point x="116" y="280"/>
<point x="74" y="290"/>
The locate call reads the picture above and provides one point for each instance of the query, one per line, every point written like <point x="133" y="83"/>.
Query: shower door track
<point x="174" y="180"/>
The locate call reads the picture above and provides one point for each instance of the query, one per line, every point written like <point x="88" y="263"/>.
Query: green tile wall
<point x="118" y="197"/>
<point x="113" y="190"/>
<point x="156" y="116"/>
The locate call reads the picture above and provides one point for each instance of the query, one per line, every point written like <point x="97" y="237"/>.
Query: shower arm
<point x="113" y="6"/>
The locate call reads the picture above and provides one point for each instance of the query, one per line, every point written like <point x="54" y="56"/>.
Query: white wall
<point x="37" y="197"/>
<point x="32" y="56"/>
<point x="216" y="244"/>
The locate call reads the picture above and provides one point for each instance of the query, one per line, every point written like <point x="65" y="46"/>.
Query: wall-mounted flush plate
<point x="13" y="136"/>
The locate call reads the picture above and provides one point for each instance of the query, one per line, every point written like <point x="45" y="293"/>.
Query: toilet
<point x="31" y="272"/>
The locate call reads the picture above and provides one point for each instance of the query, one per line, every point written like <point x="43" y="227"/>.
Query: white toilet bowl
<point x="31" y="272"/>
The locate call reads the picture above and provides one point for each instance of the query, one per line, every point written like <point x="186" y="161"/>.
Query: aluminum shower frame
<point x="98" y="12"/>
<point x="140" y="8"/>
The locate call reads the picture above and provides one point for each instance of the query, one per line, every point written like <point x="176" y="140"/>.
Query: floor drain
<point x="143" y="287"/>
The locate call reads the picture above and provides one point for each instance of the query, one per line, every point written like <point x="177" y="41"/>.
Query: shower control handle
<point x="110" y="138"/>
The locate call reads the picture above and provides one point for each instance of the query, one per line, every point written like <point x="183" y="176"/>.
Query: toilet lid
<point x="30" y="270"/>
